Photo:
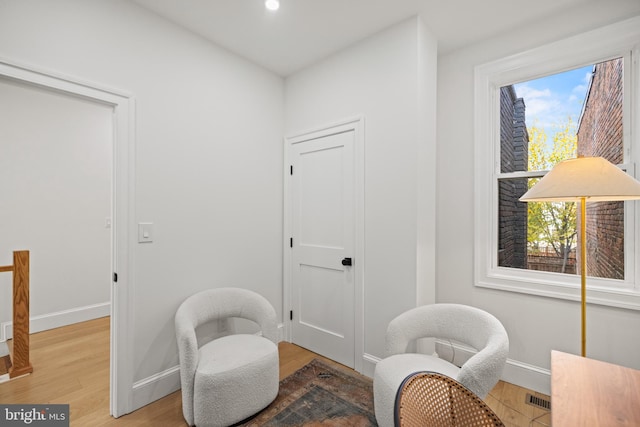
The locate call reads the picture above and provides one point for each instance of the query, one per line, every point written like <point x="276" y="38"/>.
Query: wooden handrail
<point x="20" y="268"/>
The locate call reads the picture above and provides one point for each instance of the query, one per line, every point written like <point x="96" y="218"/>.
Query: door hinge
<point x="291" y="242"/>
<point x="291" y="170"/>
<point x="115" y="277"/>
<point x="291" y="315"/>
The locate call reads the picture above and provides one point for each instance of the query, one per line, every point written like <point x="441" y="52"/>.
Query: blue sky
<point x="550" y="100"/>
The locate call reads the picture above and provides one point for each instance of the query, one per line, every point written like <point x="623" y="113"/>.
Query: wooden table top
<point x="587" y="392"/>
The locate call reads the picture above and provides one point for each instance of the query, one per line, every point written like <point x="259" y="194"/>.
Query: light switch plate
<point x="145" y="232"/>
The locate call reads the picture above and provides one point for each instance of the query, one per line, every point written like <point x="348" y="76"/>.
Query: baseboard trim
<point x="4" y="349"/>
<point x="515" y="372"/>
<point x="162" y="384"/>
<point x="155" y="387"/>
<point x="57" y="319"/>
<point x="369" y="363"/>
<point x="519" y="373"/>
<point x="528" y="376"/>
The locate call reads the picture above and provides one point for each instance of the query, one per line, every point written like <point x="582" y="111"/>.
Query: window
<point x="531" y="247"/>
<point x="576" y="112"/>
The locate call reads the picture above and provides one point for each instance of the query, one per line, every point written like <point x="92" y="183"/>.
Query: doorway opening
<point x="120" y="108"/>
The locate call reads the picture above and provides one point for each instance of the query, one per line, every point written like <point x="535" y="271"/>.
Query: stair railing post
<point x="20" y="360"/>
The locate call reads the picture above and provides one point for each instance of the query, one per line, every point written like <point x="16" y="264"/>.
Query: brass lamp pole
<point x="583" y="272"/>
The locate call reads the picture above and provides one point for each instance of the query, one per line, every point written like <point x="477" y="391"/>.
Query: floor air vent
<point x="538" y="401"/>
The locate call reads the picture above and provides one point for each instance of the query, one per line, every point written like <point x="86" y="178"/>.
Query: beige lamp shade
<point x="593" y="178"/>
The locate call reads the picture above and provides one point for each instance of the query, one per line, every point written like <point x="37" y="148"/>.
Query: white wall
<point x="209" y="157"/>
<point x="426" y="168"/>
<point x="55" y="192"/>
<point x="389" y="79"/>
<point x="535" y="325"/>
<point x="208" y="153"/>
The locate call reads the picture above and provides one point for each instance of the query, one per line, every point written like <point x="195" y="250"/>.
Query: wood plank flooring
<point x="71" y="365"/>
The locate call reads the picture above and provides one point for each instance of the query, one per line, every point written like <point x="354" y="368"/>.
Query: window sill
<point x="618" y="297"/>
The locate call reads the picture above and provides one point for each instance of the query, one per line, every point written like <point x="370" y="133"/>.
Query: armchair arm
<point x="483" y="370"/>
<point x="413" y="324"/>
<point x="188" y="357"/>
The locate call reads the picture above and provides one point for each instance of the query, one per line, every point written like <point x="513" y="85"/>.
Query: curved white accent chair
<point x="232" y="377"/>
<point x="459" y="323"/>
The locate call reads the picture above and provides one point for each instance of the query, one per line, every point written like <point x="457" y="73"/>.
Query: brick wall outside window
<point x="600" y="134"/>
<point x="514" y="155"/>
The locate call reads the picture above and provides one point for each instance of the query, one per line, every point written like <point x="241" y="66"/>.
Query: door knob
<point x="346" y="261"/>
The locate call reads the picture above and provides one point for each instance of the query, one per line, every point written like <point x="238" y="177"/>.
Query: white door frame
<point x="355" y="124"/>
<point x="122" y="205"/>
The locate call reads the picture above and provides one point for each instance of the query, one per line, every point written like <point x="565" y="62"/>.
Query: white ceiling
<point x="302" y="32"/>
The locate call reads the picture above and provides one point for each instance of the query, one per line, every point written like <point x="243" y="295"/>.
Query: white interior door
<point x="323" y="243"/>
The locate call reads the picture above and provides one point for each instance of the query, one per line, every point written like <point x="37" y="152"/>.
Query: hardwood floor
<point x="71" y="365"/>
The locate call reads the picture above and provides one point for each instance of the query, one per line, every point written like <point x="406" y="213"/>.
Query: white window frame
<point x="618" y="40"/>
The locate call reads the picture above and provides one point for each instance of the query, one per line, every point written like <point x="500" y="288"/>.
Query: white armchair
<point x="233" y="377"/>
<point x="464" y="324"/>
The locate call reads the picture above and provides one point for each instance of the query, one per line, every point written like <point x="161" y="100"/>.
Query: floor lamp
<point x="585" y="179"/>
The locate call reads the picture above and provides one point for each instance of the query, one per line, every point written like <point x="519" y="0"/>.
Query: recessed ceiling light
<point x="272" y="4"/>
